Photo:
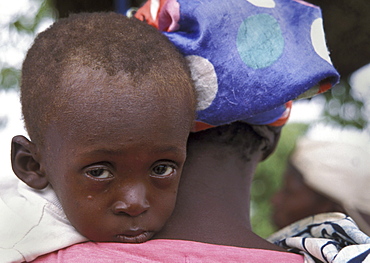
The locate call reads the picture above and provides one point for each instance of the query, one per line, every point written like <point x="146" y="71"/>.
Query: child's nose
<point x="133" y="202"/>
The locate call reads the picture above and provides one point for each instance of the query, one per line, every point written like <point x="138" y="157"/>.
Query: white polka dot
<point x="205" y="80"/>
<point x="318" y="39"/>
<point x="263" y="3"/>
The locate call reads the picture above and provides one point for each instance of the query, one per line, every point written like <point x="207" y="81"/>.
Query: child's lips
<point x="134" y="236"/>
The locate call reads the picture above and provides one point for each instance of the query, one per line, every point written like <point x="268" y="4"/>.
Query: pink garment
<point x="164" y="250"/>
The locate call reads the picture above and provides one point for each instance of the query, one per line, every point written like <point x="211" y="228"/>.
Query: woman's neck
<point x="213" y="198"/>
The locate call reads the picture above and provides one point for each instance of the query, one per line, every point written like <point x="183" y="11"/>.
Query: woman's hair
<point x="242" y="137"/>
<point x="107" y="42"/>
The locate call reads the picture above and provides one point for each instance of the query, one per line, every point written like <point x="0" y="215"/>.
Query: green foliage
<point x="343" y="108"/>
<point x="9" y="78"/>
<point x="22" y="27"/>
<point x="29" y="24"/>
<point x="268" y="179"/>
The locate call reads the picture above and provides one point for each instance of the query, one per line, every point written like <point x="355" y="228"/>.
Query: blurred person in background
<point x="325" y="176"/>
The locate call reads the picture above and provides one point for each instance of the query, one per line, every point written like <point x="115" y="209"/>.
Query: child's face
<point x="114" y="161"/>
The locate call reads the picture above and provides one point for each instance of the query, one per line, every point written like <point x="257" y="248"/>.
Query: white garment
<point x="32" y="222"/>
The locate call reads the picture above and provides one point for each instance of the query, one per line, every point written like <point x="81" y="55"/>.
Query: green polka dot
<point x="260" y="42"/>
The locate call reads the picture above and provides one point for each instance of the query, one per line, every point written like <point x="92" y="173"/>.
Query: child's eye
<point x="163" y="170"/>
<point x="99" y="173"/>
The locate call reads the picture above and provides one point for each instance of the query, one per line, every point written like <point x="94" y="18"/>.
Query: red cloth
<point x="164" y="250"/>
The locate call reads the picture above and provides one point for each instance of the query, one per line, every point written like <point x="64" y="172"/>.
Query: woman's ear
<point x="25" y="163"/>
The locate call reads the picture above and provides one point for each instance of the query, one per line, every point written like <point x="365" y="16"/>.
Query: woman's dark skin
<point x="213" y="202"/>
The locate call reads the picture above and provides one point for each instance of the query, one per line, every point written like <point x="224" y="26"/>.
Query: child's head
<point x="108" y="103"/>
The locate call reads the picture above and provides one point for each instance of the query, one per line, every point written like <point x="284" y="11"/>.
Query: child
<point x="108" y="103"/>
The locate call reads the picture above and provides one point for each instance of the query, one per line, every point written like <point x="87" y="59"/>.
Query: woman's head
<point x="243" y="138"/>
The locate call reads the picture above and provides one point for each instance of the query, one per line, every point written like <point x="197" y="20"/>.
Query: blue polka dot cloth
<point x="248" y="58"/>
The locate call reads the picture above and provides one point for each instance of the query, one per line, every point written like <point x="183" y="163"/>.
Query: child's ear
<point x="25" y="164"/>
